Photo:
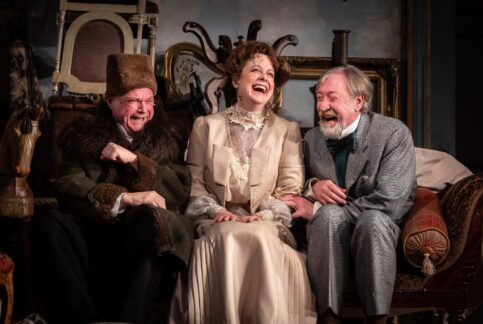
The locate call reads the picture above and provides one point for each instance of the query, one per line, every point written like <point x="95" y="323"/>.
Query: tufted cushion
<point x="425" y="240"/>
<point x="6" y="288"/>
<point x="6" y="264"/>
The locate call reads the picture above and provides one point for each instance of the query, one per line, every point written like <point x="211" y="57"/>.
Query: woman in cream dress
<point x="244" y="266"/>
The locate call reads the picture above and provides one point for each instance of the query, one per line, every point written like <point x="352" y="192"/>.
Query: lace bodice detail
<point x="244" y="128"/>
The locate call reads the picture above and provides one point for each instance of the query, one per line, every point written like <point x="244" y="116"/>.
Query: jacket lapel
<point x="258" y="163"/>
<point x="358" y="159"/>
<point x="221" y="158"/>
<point x="221" y="161"/>
<point x="324" y="162"/>
<point x="260" y="153"/>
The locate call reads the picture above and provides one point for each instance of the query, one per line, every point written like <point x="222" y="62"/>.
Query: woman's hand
<point x="251" y="218"/>
<point x="117" y="153"/>
<point x="224" y="216"/>
<point x="151" y="198"/>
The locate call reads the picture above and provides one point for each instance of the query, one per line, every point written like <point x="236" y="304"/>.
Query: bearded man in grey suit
<point x="361" y="182"/>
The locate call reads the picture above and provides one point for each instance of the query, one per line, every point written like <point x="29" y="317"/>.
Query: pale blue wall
<point x="375" y="31"/>
<point x="375" y="24"/>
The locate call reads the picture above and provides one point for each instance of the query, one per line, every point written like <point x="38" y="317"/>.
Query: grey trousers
<point x="335" y="240"/>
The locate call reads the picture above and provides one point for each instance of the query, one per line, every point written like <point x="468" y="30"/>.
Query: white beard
<point x="331" y="132"/>
<point x="336" y="131"/>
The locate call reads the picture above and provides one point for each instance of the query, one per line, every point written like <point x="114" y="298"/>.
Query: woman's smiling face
<point x="256" y="83"/>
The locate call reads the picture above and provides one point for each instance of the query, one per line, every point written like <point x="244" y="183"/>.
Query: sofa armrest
<point x="462" y="206"/>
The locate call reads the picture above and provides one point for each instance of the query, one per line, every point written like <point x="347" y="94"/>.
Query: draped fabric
<point x="245" y="273"/>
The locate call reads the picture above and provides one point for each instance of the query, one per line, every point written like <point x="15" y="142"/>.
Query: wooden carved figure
<point x="16" y="151"/>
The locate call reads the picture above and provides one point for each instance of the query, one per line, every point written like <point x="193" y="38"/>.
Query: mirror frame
<point x="384" y="73"/>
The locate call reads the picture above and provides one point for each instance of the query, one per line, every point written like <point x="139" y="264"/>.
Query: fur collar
<point x="88" y="134"/>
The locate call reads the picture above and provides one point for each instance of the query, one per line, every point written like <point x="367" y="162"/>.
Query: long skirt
<point x="244" y="273"/>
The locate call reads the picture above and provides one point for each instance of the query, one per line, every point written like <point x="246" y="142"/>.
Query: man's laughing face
<point x="133" y="109"/>
<point x="335" y="106"/>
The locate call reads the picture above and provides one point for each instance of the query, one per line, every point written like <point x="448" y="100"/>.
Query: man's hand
<point x="302" y="207"/>
<point x="151" y="198"/>
<point x="327" y="192"/>
<point x="224" y="216"/>
<point x="117" y="153"/>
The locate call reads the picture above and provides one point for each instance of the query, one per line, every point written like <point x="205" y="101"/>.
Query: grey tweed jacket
<point x="381" y="172"/>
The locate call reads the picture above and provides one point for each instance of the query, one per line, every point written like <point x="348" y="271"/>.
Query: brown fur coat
<point x="88" y="187"/>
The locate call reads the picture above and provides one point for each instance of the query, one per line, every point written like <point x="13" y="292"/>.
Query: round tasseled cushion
<point x="425" y="231"/>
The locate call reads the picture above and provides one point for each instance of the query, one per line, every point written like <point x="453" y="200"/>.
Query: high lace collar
<point x="247" y="119"/>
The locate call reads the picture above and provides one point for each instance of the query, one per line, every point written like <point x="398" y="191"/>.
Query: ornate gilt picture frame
<point x="182" y="62"/>
<point x="384" y="73"/>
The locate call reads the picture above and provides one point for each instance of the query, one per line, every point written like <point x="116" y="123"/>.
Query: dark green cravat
<point x="340" y="152"/>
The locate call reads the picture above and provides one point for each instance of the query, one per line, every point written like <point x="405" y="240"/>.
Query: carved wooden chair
<point x="89" y="32"/>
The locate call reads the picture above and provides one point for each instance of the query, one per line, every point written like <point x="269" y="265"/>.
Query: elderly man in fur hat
<point x="101" y="255"/>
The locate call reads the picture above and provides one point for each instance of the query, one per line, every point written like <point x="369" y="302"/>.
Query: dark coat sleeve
<point x="81" y="190"/>
<point x="81" y="193"/>
<point x="77" y="183"/>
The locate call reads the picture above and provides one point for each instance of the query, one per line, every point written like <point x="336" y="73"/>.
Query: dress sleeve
<point x="290" y="169"/>
<point x="79" y="193"/>
<point x="196" y="157"/>
<point x="276" y="210"/>
<point x="203" y="207"/>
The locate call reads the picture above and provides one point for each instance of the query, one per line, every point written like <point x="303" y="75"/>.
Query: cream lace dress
<point x="243" y="272"/>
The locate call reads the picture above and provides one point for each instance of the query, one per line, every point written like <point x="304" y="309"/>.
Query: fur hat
<point x="125" y="72"/>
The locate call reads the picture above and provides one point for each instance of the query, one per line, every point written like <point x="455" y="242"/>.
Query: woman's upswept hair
<point x="358" y="84"/>
<point x="246" y="51"/>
